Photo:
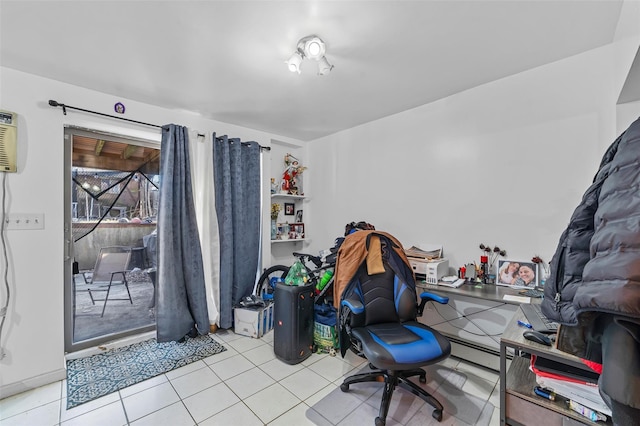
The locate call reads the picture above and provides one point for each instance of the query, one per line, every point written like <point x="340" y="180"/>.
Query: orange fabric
<point x="351" y="254"/>
<point x="374" y="257"/>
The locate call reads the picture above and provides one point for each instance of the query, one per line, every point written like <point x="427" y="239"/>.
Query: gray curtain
<point x="236" y="168"/>
<point x="181" y="302"/>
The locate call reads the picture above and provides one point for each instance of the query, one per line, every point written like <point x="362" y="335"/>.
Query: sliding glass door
<point x="111" y="198"/>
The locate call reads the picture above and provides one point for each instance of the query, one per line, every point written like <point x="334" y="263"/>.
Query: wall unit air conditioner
<point x="8" y="141"/>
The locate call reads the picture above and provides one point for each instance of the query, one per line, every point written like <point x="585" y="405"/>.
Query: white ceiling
<point x="225" y="59"/>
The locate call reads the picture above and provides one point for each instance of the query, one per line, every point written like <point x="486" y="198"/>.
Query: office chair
<point x="378" y="321"/>
<point x="110" y="269"/>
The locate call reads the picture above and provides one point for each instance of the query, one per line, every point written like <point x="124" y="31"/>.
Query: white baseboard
<point x="32" y="383"/>
<point x="61" y="374"/>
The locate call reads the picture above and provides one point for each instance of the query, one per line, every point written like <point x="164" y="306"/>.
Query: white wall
<point x="502" y="164"/>
<point x="626" y="114"/>
<point x="33" y="335"/>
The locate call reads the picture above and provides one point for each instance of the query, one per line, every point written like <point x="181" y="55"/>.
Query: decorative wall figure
<point x="290" y="175"/>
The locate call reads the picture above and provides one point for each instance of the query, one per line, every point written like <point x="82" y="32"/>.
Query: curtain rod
<point x="262" y="148"/>
<point x="64" y="111"/>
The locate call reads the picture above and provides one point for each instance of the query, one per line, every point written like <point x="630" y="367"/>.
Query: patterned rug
<point x="98" y="375"/>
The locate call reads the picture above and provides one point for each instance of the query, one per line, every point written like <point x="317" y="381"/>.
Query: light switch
<point x="24" y="221"/>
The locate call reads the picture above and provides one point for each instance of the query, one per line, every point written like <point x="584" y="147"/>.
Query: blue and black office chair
<point x="378" y="320"/>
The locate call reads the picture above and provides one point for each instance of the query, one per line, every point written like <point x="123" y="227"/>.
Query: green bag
<point x="325" y="334"/>
<point x="297" y="275"/>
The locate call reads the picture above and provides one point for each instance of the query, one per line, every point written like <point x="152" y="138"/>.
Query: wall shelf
<point x="289" y="196"/>
<point x="280" y="251"/>
<point x="289" y="241"/>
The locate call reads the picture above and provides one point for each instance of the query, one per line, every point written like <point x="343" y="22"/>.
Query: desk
<point x="473" y="320"/>
<point x="518" y="404"/>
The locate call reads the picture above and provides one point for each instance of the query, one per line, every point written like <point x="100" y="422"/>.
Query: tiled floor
<point x="248" y="385"/>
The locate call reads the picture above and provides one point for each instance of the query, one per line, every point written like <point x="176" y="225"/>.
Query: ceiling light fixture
<point x="311" y="47"/>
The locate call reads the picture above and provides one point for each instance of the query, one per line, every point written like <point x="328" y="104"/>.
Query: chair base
<point x="392" y="379"/>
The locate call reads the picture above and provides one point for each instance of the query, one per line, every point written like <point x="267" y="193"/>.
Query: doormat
<point x="98" y="375"/>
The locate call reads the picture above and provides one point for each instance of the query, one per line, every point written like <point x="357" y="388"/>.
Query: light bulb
<point x="314" y="48"/>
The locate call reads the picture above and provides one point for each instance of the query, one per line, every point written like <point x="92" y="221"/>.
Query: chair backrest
<point x="388" y="294"/>
<point x="111" y="259"/>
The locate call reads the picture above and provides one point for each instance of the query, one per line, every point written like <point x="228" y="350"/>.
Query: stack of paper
<point x="454" y="282"/>
<point x="584" y="394"/>
<point x="575" y="384"/>
<point x="427" y="251"/>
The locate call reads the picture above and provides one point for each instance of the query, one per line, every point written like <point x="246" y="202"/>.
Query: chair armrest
<point x="351" y="315"/>
<point x="430" y="296"/>
<point x="426" y="297"/>
<point x="353" y="305"/>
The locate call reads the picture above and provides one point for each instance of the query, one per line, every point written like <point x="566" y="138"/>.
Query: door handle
<point x="67" y="249"/>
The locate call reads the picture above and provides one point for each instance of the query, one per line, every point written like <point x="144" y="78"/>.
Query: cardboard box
<point x="253" y="321"/>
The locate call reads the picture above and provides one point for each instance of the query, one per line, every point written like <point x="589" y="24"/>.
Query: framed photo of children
<point x="517" y="273"/>
<point x="299" y="216"/>
<point x="289" y="209"/>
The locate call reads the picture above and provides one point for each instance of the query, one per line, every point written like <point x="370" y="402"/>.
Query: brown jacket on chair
<point x="351" y="254"/>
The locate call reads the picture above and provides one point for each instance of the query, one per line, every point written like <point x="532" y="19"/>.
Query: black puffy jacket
<point x="596" y="267"/>
<point x="594" y="286"/>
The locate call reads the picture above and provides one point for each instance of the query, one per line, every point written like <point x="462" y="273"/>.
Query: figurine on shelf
<point x="292" y="170"/>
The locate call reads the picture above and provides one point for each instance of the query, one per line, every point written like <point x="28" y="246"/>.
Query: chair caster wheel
<point x="423" y="379"/>
<point x="437" y="414"/>
<point x="380" y="422"/>
<point x="344" y="388"/>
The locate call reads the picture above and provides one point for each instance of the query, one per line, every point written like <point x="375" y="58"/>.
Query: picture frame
<point x="514" y="273"/>
<point x="299" y="216"/>
<point x="296" y="231"/>
<point x="289" y="209"/>
<point x="283" y="231"/>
